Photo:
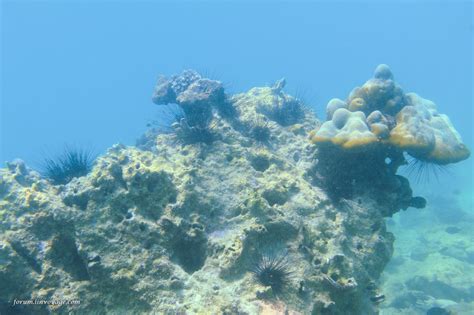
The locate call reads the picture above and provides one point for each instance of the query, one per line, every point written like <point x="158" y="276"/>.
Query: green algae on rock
<point x="175" y="226"/>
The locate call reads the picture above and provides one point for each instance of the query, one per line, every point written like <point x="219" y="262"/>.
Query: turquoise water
<point x="433" y="257"/>
<point x="83" y="73"/>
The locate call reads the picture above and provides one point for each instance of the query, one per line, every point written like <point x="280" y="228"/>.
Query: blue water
<point x="83" y="72"/>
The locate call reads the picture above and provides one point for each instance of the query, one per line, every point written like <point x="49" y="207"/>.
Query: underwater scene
<point x="238" y="157"/>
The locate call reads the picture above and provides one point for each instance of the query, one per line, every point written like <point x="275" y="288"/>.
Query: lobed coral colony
<point x="380" y="113"/>
<point x="246" y="204"/>
<point x="363" y="141"/>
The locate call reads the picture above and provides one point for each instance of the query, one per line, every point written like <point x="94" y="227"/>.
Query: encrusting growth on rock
<point x="179" y="224"/>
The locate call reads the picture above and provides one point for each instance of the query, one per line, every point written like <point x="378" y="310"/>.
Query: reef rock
<point x="178" y="226"/>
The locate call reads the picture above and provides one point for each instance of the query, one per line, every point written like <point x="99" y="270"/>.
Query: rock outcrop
<point x="175" y="226"/>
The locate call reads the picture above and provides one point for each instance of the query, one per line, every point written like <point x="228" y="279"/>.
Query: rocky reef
<point x="198" y="219"/>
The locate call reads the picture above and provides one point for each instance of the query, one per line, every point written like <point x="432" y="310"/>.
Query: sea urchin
<point x="73" y="162"/>
<point x="273" y="271"/>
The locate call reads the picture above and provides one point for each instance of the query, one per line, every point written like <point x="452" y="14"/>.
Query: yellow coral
<point x="443" y="153"/>
<point x="379" y="93"/>
<point x="426" y="134"/>
<point x="411" y="136"/>
<point x="380" y="130"/>
<point x="347" y="130"/>
<point x="357" y="104"/>
<point x="404" y="121"/>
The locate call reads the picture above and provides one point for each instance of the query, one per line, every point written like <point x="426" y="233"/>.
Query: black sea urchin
<point x="423" y="170"/>
<point x="73" y="162"/>
<point x="168" y="115"/>
<point x="288" y="112"/>
<point x="260" y="130"/>
<point x="273" y="271"/>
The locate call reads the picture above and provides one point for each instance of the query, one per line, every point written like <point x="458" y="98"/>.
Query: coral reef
<point x="363" y="141"/>
<point x="427" y="135"/>
<point x="280" y="107"/>
<point x="379" y="112"/>
<point x="197" y="97"/>
<point x="176" y="226"/>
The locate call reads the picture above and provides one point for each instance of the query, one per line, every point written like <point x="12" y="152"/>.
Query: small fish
<point x="379" y="298"/>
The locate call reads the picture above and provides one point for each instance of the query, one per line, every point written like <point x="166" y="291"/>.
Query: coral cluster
<point x="426" y="134"/>
<point x="186" y="227"/>
<point x="380" y="113"/>
<point x="365" y="137"/>
<point x="197" y="97"/>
